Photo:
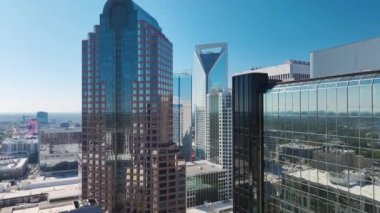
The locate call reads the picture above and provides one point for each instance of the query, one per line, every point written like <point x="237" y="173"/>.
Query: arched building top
<point x="129" y="6"/>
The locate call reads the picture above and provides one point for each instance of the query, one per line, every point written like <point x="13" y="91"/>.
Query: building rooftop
<point x="14" y="163"/>
<point x="221" y="206"/>
<point x="55" y="187"/>
<point x="202" y="167"/>
<point x="141" y="13"/>
<point x="322" y="177"/>
<point x="333" y="78"/>
<point x="20" y="140"/>
<point x="54" y="192"/>
<point x="62" y="130"/>
<point x="354" y="43"/>
<point x="295" y="145"/>
<point x="90" y="206"/>
<point x="280" y="68"/>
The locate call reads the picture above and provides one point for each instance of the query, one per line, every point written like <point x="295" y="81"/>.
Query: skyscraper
<point x="210" y="73"/>
<point x="43" y="117"/>
<point x="307" y="146"/>
<point x="247" y="112"/>
<point x="182" y="113"/>
<point x="129" y="161"/>
<point x="219" y="135"/>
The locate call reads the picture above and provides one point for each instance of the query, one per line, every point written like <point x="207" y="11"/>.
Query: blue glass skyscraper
<point x="43" y="117"/>
<point x="182" y="135"/>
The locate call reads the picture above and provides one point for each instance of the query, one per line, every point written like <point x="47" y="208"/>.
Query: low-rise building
<point x="355" y="188"/>
<point x="13" y="168"/>
<point x="340" y="159"/>
<point x="205" y="182"/>
<point x="295" y="151"/>
<point x="77" y="206"/>
<point x="59" y="150"/>
<point x="54" y="190"/>
<point x="22" y="147"/>
<point x="217" y="207"/>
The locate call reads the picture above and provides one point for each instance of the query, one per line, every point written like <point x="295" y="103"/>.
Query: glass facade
<point x="182" y="136"/>
<point x="202" y="188"/>
<point x="322" y="145"/>
<point x="209" y="73"/>
<point x="247" y="113"/>
<point x="129" y="162"/>
<point x="213" y="129"/>
<point x="182" y="85"/>
<point x="205" y="182"/>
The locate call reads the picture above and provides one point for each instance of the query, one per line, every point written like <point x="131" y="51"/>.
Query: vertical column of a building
<point x="83" y="149"/>
<point x="258" y="83"/>
<point x="179" y="115"/>
<point x="87" y="119"/>
<point x="248" y="134"/>
<point x="92" y="120"/>
<point x="236" y="169"/>
<point x="154" y="93"/>
<point x="114" y="190"/>
<point x="94" y="127"/>
<point x="101" y="120"/>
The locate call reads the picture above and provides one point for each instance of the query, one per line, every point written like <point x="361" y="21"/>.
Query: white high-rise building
<point x="219" y="134"/>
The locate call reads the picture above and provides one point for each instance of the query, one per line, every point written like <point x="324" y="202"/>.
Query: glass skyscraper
<point x="43" y="117"/>
<point x="247" y="137"/>
<point x="319" y="141"/>
<point x="219" y="134"/>
<point x="128" y="159"/>
<point x="182" y="135"/>
<point x="209" y="73"/>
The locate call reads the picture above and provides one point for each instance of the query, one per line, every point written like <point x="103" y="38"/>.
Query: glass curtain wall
<point x="322" y="145"/>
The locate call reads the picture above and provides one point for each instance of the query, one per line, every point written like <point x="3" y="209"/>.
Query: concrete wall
<point x="355" y="57"/>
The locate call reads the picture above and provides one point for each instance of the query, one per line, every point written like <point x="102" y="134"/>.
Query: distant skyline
<point x="40" y="41"/>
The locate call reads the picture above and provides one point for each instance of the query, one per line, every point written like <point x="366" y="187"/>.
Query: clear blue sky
<point x="40" y="40"/>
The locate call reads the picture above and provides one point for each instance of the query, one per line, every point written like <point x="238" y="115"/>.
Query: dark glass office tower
<point x="247" y="138"/>
<point x="128" y="160"/>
